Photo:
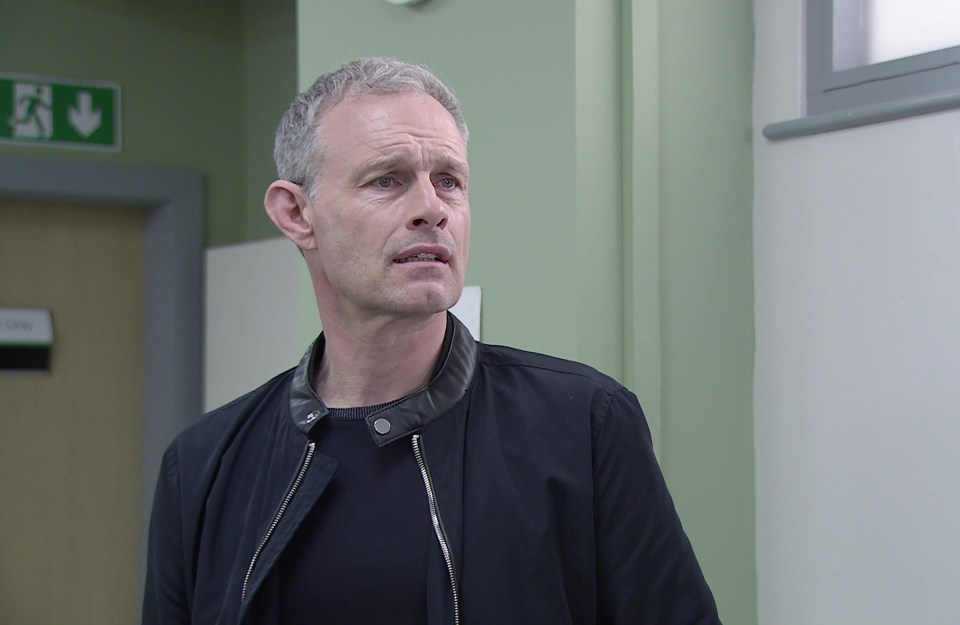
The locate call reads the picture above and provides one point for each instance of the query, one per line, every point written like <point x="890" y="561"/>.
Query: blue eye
<point x="384" y="182"/>
<point x="448" y="183"/>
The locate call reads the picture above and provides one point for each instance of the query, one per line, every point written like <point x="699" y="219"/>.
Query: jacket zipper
<point x="308" y="456"/>
<point x="437" y="524"/>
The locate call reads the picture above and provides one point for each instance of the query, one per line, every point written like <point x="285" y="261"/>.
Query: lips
<point x="420" y="256"/>
<point x="423" y="254"/>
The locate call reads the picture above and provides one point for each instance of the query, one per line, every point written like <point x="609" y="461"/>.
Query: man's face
<point x="390" y="213"/>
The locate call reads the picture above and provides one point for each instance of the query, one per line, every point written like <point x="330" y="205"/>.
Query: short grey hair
<point x="298" y="150"/>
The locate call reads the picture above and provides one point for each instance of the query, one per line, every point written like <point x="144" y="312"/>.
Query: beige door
<point x="70" y="439"/>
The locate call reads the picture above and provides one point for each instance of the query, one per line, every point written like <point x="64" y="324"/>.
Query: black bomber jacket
<point x="548" y="504"/>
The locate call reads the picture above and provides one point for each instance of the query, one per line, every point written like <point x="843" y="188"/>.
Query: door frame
<point x="173" y="283"/>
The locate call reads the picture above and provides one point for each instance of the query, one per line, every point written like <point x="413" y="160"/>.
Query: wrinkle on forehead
<point x="410" y="140"/>
<point x="378" y="116"/>
<point x="419" y="133"/>
<point x="408" y="149"/>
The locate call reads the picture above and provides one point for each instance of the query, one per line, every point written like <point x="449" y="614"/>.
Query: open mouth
<point x="422" y="256"/>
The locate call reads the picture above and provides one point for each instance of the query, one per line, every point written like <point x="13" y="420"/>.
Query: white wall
<point x="857" y="409"/>
<point x="260" y="316"/>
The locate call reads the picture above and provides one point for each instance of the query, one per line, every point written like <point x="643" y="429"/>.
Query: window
<point x="876" y="31"/>
<point x="870" y="61"/>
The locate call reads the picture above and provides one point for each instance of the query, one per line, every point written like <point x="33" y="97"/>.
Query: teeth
<point x="420" y="256"/>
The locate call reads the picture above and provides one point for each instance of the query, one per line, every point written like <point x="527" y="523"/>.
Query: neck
<point x="363" y="366"/>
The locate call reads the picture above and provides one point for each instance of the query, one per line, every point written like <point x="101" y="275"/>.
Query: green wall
<point x="611" y="195"/>
<point x="202" y="84"/>
<point x="706" y="295"/>
<point x="270" y="83"/>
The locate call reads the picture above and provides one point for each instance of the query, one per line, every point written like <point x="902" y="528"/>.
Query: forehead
<point x="385" y="122"/>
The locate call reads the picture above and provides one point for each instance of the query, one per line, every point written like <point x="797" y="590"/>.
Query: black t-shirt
<point x="360" y="556"/>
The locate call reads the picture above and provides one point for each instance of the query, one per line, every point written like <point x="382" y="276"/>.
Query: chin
<point x="430" y="301"/>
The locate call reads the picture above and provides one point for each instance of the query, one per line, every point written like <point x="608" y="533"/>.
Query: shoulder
<point x="555" y="387"/>
<point x="556" y="383"/>
<point x="500" y="360"/>
<point x="218" y="427"/>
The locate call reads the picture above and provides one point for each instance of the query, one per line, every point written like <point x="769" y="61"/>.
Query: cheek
<point x="343" y="235"/>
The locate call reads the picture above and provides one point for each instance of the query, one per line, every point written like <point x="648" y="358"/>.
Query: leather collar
<point x="452" y="376"/>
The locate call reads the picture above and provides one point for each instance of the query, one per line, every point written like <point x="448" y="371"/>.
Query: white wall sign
<point x="26" y="335"/>
<point x="467" y="310"/>
<point x="26" y="326"/>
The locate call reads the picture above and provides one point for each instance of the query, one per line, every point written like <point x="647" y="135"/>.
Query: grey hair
<point x="298" y="149"/>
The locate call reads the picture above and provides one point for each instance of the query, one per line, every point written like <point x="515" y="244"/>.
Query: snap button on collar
<point x="382" y="426"/>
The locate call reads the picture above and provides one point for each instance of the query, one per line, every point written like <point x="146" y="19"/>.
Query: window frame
<point x="928" y="73"/>
<point x="834" y="100"/>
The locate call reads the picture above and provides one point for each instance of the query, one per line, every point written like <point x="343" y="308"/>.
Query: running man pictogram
<point x="33" y="115"/>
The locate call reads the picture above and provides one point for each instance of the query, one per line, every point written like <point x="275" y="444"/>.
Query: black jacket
<point x="550" y="507"/>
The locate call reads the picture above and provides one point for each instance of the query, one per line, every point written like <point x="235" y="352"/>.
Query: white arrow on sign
<point x="83" y="117"/>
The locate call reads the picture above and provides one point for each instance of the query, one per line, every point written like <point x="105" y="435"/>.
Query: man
<point x="404" y="473"/>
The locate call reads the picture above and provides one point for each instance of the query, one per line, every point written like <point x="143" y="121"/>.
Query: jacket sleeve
<point x="165" y="600"/>
<point x="647" y="572"/>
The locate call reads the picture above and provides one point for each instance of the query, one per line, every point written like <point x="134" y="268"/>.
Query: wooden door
<point x="70" y="439"/>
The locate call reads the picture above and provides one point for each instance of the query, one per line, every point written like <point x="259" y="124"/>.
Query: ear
<point x="288" y="207"/>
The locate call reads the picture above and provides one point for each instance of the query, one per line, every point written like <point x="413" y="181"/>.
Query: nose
<point x="429" y="210"/>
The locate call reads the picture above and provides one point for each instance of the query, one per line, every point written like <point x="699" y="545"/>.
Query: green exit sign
<point x="38" y="110"/>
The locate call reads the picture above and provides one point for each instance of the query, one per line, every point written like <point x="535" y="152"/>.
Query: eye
<point x="383" y="182"/>
<point x="449" y="183"/>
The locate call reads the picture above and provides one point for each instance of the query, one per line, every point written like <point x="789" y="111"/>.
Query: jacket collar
<point x="452" y="376"/>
